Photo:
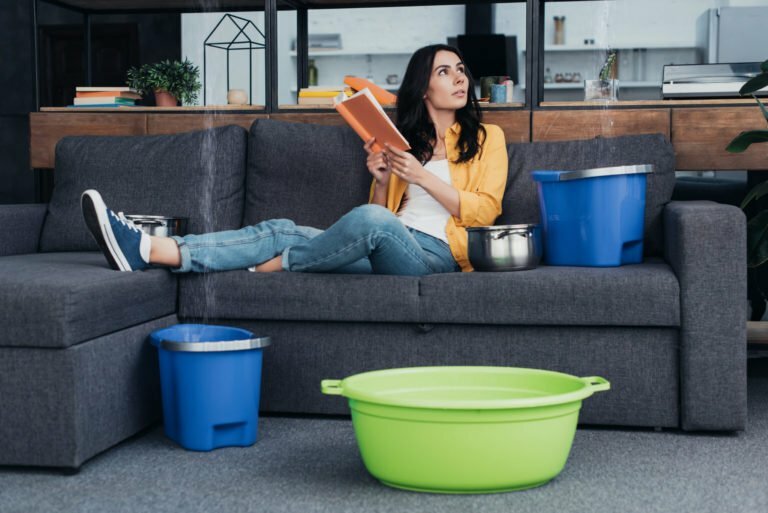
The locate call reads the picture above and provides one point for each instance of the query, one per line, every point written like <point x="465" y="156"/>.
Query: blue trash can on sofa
<point x="593" y="217"/>
<point x="210" y="378"/>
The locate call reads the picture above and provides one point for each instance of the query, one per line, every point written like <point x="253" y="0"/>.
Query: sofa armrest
<point x="21" y="227"/>
<point x="705" y="243"/>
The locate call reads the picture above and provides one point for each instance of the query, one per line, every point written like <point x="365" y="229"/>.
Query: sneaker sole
<point x="94" y="212"/>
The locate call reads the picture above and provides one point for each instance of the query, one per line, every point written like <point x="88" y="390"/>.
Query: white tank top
<point x="420" y="211"/>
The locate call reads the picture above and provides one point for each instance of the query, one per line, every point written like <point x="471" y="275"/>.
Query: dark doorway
<point x="114" y="47"/>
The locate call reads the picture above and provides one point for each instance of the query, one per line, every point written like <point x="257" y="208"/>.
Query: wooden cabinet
<point x="699" y="135"/>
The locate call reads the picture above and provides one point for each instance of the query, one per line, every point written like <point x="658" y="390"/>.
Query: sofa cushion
<point x="299" y="296"/>
<point x="61" y="299"/>
<point x="521" y="202"/>
<point x="646" y="294"/>
<point x="311" y="174"/>
<point x="199" y="175"/>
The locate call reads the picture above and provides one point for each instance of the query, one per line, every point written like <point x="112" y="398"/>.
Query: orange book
<point x="382" y="95"/>
<point x="366" y="117"/>
<point x="108" y="94"/>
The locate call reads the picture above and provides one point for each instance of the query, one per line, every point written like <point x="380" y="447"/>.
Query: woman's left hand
<point x="404" y="165"/>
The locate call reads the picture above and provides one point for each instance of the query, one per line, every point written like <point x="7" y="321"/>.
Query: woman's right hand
<point x="377" y="163"/>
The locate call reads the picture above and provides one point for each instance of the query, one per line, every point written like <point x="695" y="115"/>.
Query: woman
<point x="420" y="203"/>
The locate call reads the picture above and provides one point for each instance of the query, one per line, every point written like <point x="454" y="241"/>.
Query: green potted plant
<point x="171" y="81"/>
<point x="757" y="226"/>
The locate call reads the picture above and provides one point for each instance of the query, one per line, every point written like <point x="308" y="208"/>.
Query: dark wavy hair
<point x="413" y="119"/>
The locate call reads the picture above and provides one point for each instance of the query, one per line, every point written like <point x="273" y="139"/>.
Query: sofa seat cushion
<point x="61" y="299"/>
<point x="646" y="294"/>
<point x="299" y="296"/>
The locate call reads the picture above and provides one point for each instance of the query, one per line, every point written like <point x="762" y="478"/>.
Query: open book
<point x="367" y="117"/>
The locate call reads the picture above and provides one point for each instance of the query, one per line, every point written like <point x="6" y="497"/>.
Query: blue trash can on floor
<point x="210" y="378"/>
<point x="593" y="217"/>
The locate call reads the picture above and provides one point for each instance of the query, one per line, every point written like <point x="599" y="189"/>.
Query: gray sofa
<point x="78" y="376"/>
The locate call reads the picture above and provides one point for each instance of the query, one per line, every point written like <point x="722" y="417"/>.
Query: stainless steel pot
<point x="512" y="247"/>
<point x="160" y="226"/>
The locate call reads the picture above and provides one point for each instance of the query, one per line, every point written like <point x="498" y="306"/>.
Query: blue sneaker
<point x="125" y="246"/>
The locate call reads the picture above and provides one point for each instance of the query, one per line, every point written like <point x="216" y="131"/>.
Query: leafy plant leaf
<point x="757" y="239"/>
<point x="742" y="141"/>
<point x="754" y="84"/>
<point x="757" y="192"/>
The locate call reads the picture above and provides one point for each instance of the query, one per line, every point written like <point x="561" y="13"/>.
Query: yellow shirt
<point x="480" y="183"/>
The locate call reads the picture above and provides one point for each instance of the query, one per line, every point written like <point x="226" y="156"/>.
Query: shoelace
<point x="127" y="222"/>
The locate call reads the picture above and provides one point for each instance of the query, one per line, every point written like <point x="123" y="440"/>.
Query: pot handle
<point x="331" y="387"/>
<point x="501" y="235"/>
<point x="596" y="383"/>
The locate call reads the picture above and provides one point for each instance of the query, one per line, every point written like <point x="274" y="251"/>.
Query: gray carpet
<point x="312" y="465"/>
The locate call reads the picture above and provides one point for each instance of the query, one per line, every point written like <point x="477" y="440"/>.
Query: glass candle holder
<point x="606" y="90"/>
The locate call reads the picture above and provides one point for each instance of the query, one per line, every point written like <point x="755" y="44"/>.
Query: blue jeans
<point x="368" y="240"/>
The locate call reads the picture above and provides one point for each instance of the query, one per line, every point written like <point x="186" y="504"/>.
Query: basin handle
<point x="596" y="383"/>
<point x="331" y="387"/>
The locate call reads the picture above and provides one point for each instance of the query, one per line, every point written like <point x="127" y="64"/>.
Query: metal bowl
<point x="160" y="226"/>
<point x="513" y="247"/>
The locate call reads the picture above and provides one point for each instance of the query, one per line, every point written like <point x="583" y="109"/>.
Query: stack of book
<point x="315" y="95"/>
<point x="105" y="97"/>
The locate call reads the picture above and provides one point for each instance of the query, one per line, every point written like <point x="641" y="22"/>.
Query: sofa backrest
<point x="311" y="174"/>
<point x="199" y="175"/>
<point x="521" y="202"/>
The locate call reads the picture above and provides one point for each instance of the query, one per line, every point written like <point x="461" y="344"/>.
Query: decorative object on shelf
<point x="393" y="79"/>
<point x="757" y="226"/>
<point x="247" y="37"/>
<point x="547" y="76"/>
<point x="171" y="81"/>
<point x="498" y="93"/>
<point x="487" y="82"/>
<point x="510" y="90"/>
<point x="605" y="87"/>
<point x="559" y="30"/>
<point x="312" y="73"/>
<point x="237" y="97"/>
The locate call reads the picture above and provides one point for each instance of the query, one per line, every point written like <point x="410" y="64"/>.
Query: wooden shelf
<point x="652" y="103"/>
<point x="188" y="108"/>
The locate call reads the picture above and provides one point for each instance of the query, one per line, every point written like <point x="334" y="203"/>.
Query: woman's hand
<point x="377" y="164"/>
<point x="405" y="165"/>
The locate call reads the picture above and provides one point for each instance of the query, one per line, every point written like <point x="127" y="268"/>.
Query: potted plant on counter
<point x="757" y="226"/>
<point x="170" y="81"/>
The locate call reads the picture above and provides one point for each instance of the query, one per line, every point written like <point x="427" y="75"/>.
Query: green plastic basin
<point x="464" y="429"/>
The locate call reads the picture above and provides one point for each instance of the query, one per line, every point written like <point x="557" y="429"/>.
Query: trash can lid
<point x="560" y="176"/>
<point x="210" y="347"/>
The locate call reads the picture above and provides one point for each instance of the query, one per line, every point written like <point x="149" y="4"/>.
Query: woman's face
<point x="447" y="82"/>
